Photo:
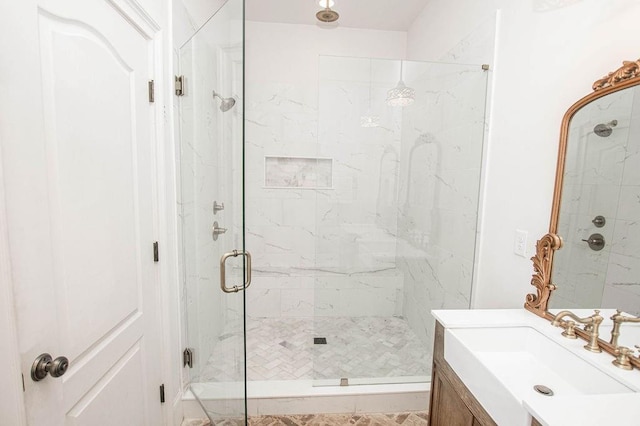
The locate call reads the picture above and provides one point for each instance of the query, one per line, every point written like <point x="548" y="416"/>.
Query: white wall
<point x="543" y="62"/>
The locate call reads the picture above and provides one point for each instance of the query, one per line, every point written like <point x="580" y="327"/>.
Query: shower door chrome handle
<point x="223" y="274"/>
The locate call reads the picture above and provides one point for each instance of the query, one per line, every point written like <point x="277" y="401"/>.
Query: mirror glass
<point x="599" y="216"/>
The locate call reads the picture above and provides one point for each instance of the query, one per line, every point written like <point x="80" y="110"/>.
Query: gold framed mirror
<point x="596" y="191"/>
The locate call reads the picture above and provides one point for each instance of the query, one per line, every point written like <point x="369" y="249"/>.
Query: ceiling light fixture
<point x="401" y="95"/>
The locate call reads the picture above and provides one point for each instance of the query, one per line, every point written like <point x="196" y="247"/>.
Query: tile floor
<point x="403" y="419"/>
<point x="357" y="347"/>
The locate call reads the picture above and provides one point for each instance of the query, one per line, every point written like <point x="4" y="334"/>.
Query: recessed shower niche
<point x="297" y="172"/>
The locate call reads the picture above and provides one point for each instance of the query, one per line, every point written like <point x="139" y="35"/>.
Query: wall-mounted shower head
<point x="605" y="129"/>
<point x="226" y="103"/>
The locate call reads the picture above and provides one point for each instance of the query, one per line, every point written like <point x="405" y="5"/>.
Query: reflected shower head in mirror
<point x="226" y="103"/>
<point x="604" y="130"/>
<point x="424" y="138"/>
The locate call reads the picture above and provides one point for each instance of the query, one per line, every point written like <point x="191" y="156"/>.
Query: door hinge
<point x="156" y="254"/>
<point x="152" y="96"/>
<point x="180" y="85"/>
<point x="162" y="393"/>
<point x="24" y="389"/>
<point x="187" y="357"/>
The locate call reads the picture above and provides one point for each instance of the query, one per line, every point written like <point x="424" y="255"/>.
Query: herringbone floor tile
<point x="283" y="349"/>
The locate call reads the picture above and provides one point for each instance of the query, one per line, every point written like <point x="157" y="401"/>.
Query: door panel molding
<point x="91" y="366"/>
<point x="137" y="16"/>
<point x="123" y="375"/>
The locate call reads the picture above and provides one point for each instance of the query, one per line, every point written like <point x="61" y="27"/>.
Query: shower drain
<point x="543" y="390"/>
<point x="319" y="340"/>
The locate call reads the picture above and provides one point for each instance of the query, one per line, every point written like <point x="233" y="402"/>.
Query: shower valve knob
<point x="599" y="221"/>
<point x="217" y="230"/>
<point x="595" y="242"/>
<point x="217" y="207"/>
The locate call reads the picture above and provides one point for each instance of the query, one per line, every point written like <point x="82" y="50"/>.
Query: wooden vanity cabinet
<point x="452" y="404"/>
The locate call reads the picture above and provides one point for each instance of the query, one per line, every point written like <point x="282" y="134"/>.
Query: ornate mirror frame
<point x="626" y="76"/>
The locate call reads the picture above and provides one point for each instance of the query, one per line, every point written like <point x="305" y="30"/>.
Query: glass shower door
<point x="215" y="266"/>
<point x="396" y="230"/>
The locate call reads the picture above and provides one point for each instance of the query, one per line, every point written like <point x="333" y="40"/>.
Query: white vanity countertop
<point x="583" y="410"/>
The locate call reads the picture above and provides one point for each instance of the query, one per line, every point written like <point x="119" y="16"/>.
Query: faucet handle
<point x="570" y="332"/>
<point x="622" y="359"/>
<point x="623" y="350"/>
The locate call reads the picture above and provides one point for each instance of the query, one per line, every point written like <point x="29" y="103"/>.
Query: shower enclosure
<point x="360" y="216"/>
<point x="210" y="97"/>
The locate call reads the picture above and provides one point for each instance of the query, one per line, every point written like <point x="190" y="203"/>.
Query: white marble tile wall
<point x="330" y="236"/>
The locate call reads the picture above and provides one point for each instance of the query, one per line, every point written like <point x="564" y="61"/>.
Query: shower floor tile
<point x="284" y="349"/>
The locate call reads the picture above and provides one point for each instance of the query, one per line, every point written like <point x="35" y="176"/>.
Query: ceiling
<point x="389" y="15"/>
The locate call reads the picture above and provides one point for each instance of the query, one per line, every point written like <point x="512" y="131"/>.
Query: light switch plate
<point x="520" y="243"/>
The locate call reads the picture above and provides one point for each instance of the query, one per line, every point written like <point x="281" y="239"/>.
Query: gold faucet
<point x="618" y="319"/>
<point x="592" y="326"/>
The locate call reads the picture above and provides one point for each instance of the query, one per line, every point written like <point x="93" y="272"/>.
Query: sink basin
<point x="501" y="365"/>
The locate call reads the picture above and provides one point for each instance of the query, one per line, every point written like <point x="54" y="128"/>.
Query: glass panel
<point x="212" y="211"/>
<point x="395" y="235"/>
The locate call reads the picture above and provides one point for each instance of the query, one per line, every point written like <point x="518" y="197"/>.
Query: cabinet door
<point x="448" y="409"/>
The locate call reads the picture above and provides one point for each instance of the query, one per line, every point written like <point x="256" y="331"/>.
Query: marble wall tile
<point x="624" y="272"/>
<point x="626" y="238"/>
<point x="629" y="204"/>
<point x="298" y="302"/>
<point x="579" y="274"/>
<point x="352" y="302"/>
<point x="618" y="297"/>
<point x="263" y="302"/>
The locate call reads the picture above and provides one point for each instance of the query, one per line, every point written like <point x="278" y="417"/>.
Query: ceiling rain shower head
<point x="604" y="130"/>
<point x="226" y="103"/>
<point x="327" y="14"/>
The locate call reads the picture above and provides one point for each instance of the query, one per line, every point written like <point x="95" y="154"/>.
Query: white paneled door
<point x="78" y="148"/>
